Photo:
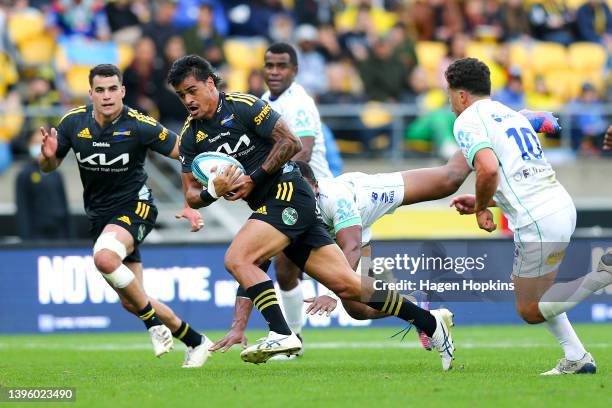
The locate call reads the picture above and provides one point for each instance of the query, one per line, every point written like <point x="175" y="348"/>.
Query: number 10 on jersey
<point x="527" y="142"/>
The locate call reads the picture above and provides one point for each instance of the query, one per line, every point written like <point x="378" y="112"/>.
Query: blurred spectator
<point x="124" y="19"/>
<point x="382" y="72"/>
<point x="11" y="117"/>
<point x="551" y="20"/>
<point x="161" y="27"/>
<point x="311" y="74"/>
<point x="456" y="49"/>
<point x="512" y="95"/>
<point x="514" y="20"/>
<point x="143" y="77"/>
<point x="203" y="39"/>
<point x="40" y="93"/>
<point x="588" y="124"/>
<point x="256" y="83"/>
<point x="186" y="14"/>
<point x="80" y="18"/>
<point x="594" y="21"/>
<point x="42" y="209"/>
<point x="541" y="99"/>
<point x="340" y="89"/>
<point x="252" y="18"/>
<point x="172" y="113"/>
<point x="360" y="35"/>
<point x="404" y="46"/>
<point x="351" y="17"/>
<point x="482" y="20"/>
<point x="281" y="28"/>
<point x="329" y="46"/>
<point x="436" y="20"/>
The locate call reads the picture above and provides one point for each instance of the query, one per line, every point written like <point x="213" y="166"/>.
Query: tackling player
<point x="513" y="173"/>
<point x="110" y="142"/>
<point x="299" y="111"/>
<point x="285" y="215"/>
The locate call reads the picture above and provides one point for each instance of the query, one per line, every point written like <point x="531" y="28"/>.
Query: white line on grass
<point x="312" y="346"/>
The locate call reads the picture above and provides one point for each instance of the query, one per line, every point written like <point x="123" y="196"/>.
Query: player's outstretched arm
<point x="349" y="240"/>
<point x="235" y="335"/>
<point x="47" y="160"/>
<point x="607" y="144"/>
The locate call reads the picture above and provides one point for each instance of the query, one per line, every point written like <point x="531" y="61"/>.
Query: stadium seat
<point x="519" y="55"/>
<point x="429" y="54"/>
<point x="546" y="56"/>
<point x="586" y="56"/>
<point x="560" y="82"/>
<point x="26" y="25"/>
<point x="38" y="50"/>
<point x="126" y="55"/>
<point x="237" y="80"/>
<point x="244" y="54"/>
<point x="77" y="80"/>
<point x="484" y="51"/>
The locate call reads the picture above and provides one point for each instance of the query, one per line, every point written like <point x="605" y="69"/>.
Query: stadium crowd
<point x="544" y="55"/>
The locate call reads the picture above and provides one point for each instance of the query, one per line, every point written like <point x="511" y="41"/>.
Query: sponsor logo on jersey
<point x="100" y="144"/>
<point x="121" y="132"/>
<point x="125" y="219"/>
<point x="243" y="141"/>
<point x="163" y="134"/>
<point x="265" y="113"/>
<point x="201" y="136"/>
<point x="227" y="120"/>
<point x="384" y="197"/>
<point x="85" y="134"/>
<point x="141" y="232"/>
<point x="99" y="159"/>
<point x="262" y="210"/>
<point x="289" y="216"/>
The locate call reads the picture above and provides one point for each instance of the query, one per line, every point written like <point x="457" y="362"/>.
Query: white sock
<point x="562" y="329"/>
<point x="293" y="303"/>
<point x="561" y="297"/>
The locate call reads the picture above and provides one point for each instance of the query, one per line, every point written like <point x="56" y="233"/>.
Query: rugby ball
<point x="204" y="162"/>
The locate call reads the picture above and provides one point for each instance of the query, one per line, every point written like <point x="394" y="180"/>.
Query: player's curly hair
<point x="306" y="171"/>
<point x="469" y="74"/>
<point x="191" y="65"/>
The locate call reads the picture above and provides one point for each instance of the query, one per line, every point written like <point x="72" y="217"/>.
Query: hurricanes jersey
<point x="298" y="109"/>
<point x="111" y="159"/>
<point x="241" y="127"/>
<point x="528" y="189"/>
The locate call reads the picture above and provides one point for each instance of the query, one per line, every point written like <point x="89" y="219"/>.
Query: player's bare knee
<point x="106" y="261"/>
<point x="347" y="290"/>
<point x="234" y="264"/>
<point x="530" y="313"/>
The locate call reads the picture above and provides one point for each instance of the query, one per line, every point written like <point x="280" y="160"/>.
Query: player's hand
<point x="485" y="220"/>
<point x="607" y="144"/>
<point x="49" y="143"/>
<point x="227" y="181"/>
<point x="193" y="216"/>
<point x="234" y="336"/>
<point x="244" y="187"/>
<point x="321" y="304"/>
<point x="464" y="204"/>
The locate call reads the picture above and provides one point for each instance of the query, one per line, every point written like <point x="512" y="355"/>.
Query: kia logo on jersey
<point x="99" y="159"/>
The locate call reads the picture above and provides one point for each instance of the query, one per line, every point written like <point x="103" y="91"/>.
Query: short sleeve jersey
<point x="241" y="127"/>
<point x="338" y="206"/>
<point x="298" y="109"/>
<point x="111" y="159"/>
<point x="528" y="189"/>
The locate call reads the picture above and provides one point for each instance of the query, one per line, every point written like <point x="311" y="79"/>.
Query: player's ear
<point x="122" y="91"/>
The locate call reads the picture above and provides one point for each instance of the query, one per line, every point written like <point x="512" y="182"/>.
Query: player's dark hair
<point x="306" y="171"/>
<point x="469" y="74"/>
<point x="191" y="65"/>
<point x="105" y="70"/>
<point x="284" y="48"/>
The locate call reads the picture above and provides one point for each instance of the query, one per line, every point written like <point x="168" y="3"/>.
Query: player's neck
<point x="104" y="121"/>
<point x="214" y="106"/>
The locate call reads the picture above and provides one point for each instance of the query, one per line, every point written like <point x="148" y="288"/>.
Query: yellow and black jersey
<point x="111" y="159"/>
<point x="241" y="128"/>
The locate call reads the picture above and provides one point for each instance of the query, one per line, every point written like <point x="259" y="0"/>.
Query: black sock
<point x="148" y="316"/>
<point x="394" y="304"/>
<point x="265" y="300"/>
<point x="187" y="335"/>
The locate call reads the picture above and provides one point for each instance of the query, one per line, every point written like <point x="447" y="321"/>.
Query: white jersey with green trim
<point x="298" y="109"/>
<point x="528" y="189"/>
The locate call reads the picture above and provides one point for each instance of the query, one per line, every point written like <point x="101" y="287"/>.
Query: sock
<point x="293" y="303"/>
<point x="187" y="335"/>
<point x="561" y="328"/>
<point x="561" y="297"/>
<point x="396" y="305"/>
<point x="264" y="299"/>
<point x="148" y="316"/>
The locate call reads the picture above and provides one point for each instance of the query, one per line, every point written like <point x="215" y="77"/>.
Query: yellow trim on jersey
<point x="290" y="194"/>
<point x="146" y="212"/>
<point x="142" y="210"/>
<point x="75" y="110"/>
<point x="138" y="207"/>
<point x="243" y="95"/>
<point x="247" y="101"/>
<point x="142" y="118"/>
<point x="284" y="191"/>
<point x="185" y="127"/>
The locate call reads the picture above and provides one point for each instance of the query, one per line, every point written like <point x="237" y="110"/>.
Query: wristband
<point x="207" y="197"/>
<point x="259" y="176"/>
<point x="211" y="188"/>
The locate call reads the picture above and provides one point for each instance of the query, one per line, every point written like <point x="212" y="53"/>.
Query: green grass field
<point x="495" y="366"/>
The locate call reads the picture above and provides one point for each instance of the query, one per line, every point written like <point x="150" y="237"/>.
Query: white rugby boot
<point x="196" y="356"/>
<point x="442" y="339"/>
<point x="161" y="337"/>
<point x="272" y="345"/>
